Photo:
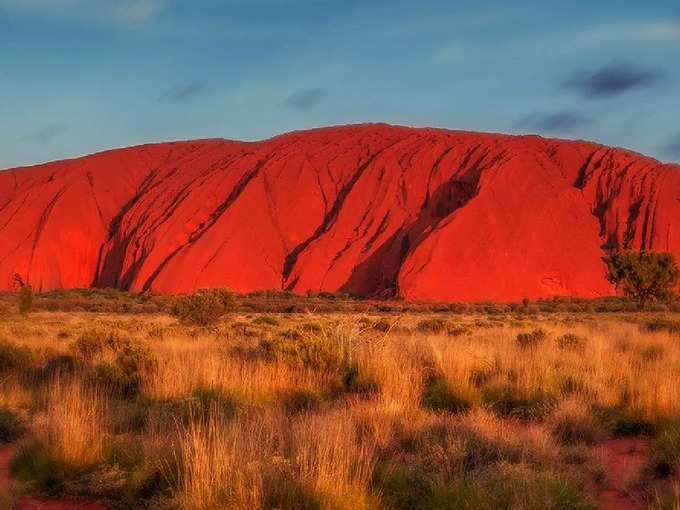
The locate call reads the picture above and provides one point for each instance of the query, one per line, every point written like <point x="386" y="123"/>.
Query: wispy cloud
<point x="612" y="80"/>
<point x="657" y="31"/>
<point x="137" y="10"/>
<point x="672" y="148"/>
<point x="45" y="134"/>
<point x="125" y="10"/>
<point x="305" y="99"/>
<point x="183" y="92"/>
<point x="554" y="122"/>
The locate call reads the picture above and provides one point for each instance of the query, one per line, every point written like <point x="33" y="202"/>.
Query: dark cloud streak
<point x="45" y="134"/>
<point x="183" y="92"/>
<point x="305" y="99"/>
<point x="612" y="80"/>
<point x="554" y="122"/>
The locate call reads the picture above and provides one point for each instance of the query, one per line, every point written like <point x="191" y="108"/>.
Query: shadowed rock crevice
<point x="385" y="263"/>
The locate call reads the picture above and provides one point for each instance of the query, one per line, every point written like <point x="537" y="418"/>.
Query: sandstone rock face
<point x="373" y="209"/>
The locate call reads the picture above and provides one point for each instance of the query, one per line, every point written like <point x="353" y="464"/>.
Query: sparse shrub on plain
<point x="13" y="357"/>
<point x="622" y="420"/>
<point x="664" y="459"/>
<point x="301" y="401"/>
<point x="354" y="381"/>
<point x="266" y="320"/>
<point x="572" y="424"/>
<point x="431" y="326"/>
<point x="26" y="298"/>
<point x="203" y="308"/>
<point x="459" y="330"/>
<point x="652" y="353"/>
<point x="672" y="326"/>
<point x="11" y="426"/>
<point x="531" y="339"/>
<point x="382" y="325"/>
<point x="440" y="396"/>
<point x="508" y="401"/>
<point x="571" y="342"/>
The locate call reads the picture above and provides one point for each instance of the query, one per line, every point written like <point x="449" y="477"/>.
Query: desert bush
<point x="267" y="320"/>
<point x="11" y="426"/>
<point x="382" y="325"/>
<point x="510" y="487"/>
<point x="508" y="401"/>
<point x="315" y="352"/>
<point x="355" y="381"/>
<point x="25" y="303"/>
<point x="123" y="377"/>
<point x="431" y="325"/>
<point x="440" y="396"/>
<point x="664" y="458"/>
<point x="203" y="308"/>
<point x="573" y="424"/>
<point x="622" y="420"/>
<point x="37" y="464"/>
<point x="459" y="331"/>
<point x="531" y="339"/>
<point x="672" y="326"/>
<point x="571" y="342"/>
<point x="13" y="357"/>
<point x="301" y="401"/>
<point x="652" y="352"/>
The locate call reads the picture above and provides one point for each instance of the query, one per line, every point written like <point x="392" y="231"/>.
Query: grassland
<point x="329" y="402"/>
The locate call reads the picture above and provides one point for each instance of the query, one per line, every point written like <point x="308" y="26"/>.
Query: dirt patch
<point x="622" y="461"/>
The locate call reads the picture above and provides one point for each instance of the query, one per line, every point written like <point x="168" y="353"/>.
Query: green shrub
<point x="355" y="382"/>
<point x="11" y="427"/>
<point x="575" y="430"/>
<point x="93" y="342"/>
<point x="439" y="396"/>
<point x="664" y="458"/>
<point x="382" y="325"/>
<point x="13" y="357"/>
<point x="315" y="352"/>
<point x="531" y="339"/>
<point x="623" y="421"/>
<point x="507" y="401"/>
<point x="301" y="401"/>
<point x="402" y="487"/>
<point x="203" y="308"/>
<point x="124" y="377"/>
<point x="210" y="399"/>
<point x="652" y="353"/>
<point x="267" y="320"/>
<point x="571" y="342"/>
<point x="25" y="304"/>
<point x="459" y="331"/>
<point x="672" y="326"/>
<point x="431" y="326"/>
<point x="56" y="366"/>
<point x="36" y="464"/>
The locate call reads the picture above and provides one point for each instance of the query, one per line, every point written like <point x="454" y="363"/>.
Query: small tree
<point x="25" y="304"/>
<point x="644" y="275"/>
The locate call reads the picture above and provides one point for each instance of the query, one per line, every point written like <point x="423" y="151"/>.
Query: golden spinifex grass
<point x="337" y="410"/>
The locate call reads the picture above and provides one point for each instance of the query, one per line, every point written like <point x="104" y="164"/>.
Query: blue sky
<point x="79" y="76"/>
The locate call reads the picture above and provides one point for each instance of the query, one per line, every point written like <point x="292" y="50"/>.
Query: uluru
<point x="372" y="210"/>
